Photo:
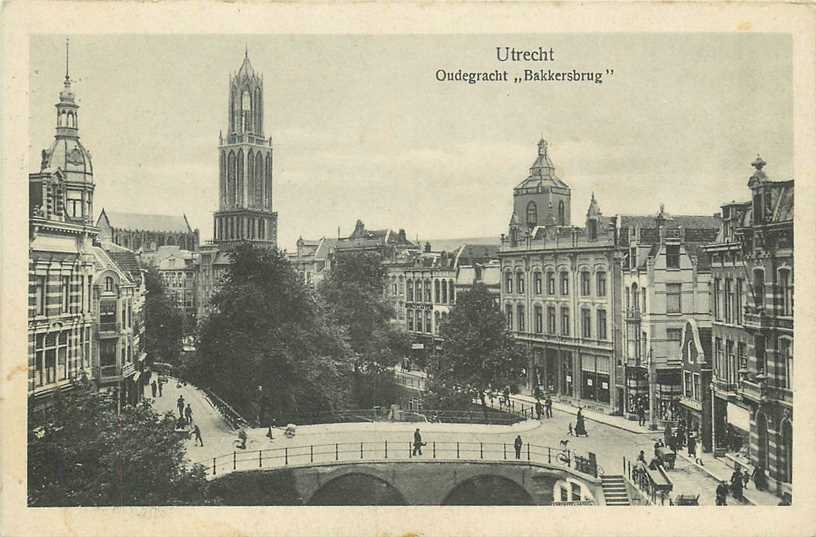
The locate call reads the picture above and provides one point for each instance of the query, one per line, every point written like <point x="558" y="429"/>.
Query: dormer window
<point x="593" y="229"/>
<point x="108" y="284"/>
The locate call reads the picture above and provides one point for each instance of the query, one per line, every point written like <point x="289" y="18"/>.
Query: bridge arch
<point x="488" y="489"/>
<point x="357" y="488"/>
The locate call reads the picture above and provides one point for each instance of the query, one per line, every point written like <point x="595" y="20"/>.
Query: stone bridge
<point x="412" y="482"/>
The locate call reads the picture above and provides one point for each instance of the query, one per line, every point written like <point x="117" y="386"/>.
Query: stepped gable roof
<point x="158" y="223"/>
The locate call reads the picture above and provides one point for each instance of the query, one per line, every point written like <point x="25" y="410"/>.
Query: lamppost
<point x="652" y="381"/>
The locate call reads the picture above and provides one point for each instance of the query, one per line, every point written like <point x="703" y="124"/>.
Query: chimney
<point x="427" y="247"/>
<point x="401" y="236"/>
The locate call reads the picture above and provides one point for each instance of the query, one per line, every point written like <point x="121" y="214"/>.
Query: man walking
<point x="180" y="405"/>
<point x="517" y="444"/>
<point x="641" y="415"/>
<point x="548" y="407"/>
<point x="160" y="386"/>
<point x="153" y="388"/>
<point x="538" y="410"/>
<point x="188" y="413"/>
<point x="197" y="433"/>
<point x="417" y="443"/>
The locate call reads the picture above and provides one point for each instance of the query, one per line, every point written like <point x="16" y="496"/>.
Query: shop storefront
<point x="668" y="391"/>
<point x="595" y="378"/>
<point x="637" y="389"/>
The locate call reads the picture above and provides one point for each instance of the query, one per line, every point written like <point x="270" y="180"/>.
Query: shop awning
<point x="738" y="417"/>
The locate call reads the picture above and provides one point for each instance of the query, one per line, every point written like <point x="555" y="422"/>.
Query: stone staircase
<point x="614" y="489"/>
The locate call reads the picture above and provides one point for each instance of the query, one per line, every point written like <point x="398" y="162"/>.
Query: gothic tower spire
<point x="245" y="165"/>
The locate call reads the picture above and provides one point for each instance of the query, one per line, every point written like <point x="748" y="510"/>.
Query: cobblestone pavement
<point x="609" y="443"/>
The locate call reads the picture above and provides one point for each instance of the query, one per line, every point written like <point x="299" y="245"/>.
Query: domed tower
<point x="68" y="159"/>
<point x="245" y="166"/>
<point x="542" y="199"/>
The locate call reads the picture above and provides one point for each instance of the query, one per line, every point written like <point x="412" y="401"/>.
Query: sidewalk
<point x="618" y="422"/>
<point x="716" y="468"/>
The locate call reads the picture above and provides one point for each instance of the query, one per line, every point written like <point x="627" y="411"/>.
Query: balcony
<point x="109" y="372"/>
<point x="725" y="388"/>
<point x="756" y="318"/>
<point x="108" y="330"/>
<point x="755" y="390"/>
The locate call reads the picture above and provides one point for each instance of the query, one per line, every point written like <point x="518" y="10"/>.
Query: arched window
<point x="520" y="283"/>
<point x="436" y="322"/>
<point x="108" y="284"/>
<point x="444" y="292"/>
<point x="410" y="285"/>
<point x="532" y="214"/>
<point x="436" y="291"/>
<point x="562" y="221"/>
<point x="428" y="291"/>
<point x="786" y="291"/>
<point x="593" y="229"/>
<point x="251" y="177"/>
<point x="222" y="168"/>
<point x="787" y="451"/>
<point x="246" y="107"/>
<point x="759" y="288"/>
<point x="258" y="111"/>
<point x="231" y="197"/>
<point x="508" y="282"/>
<point x="259" y="180"/>
<point x="239" y="191"/>
<point x="267" y="190"/>
<point x="762" y="444"/>
<point x="451" y="292"/>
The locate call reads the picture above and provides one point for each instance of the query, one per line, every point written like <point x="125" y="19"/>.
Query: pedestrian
<point x="507" y="395"/>
<point x="722" y="493"/>
<point x="698" y="454"/>
<point x="188" y="413"/>
<point x="161" y="382"/>
<point x="667" y="435"/>
<point x="641" y="415"/>
<point x="153" y="388"/>
<point x="736" y="484"/>
<point x="517" y="444"/>
<point x="580" y="427"/>
<point x="418" y="443"/>
<point x="759" y="478"/>
<point x="538" y="410"/>
<point x="548" y="407"/>
<point x="691" y="444"/>
<point x="180" y="405"/>
<point x="642" y="457"/>
<point x="569" y="430"/>
<point x="197" y="433"/>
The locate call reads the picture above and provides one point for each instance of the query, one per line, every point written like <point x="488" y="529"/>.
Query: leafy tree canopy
<point x="81" y="453"/>
<point x="163" y="321"/>
<point x="478" y="352"/>
<point x="267" y="329"/>
<point x="354" y="293"/>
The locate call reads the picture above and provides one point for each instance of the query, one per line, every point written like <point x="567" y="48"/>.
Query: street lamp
<point x="652" y="381"/>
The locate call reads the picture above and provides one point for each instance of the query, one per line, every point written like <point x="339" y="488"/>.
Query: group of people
<point x="156" y="386"/>
<point x="545" y="408"/>
<point x="185" y="419"/>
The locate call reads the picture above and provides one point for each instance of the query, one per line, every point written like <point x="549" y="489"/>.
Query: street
<point x="610" y="444"/>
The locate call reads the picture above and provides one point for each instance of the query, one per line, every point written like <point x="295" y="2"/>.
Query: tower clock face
<point x="75" y="157"/>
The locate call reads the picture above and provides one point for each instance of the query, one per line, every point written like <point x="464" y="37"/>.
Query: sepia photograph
<point x="494" y="269"/>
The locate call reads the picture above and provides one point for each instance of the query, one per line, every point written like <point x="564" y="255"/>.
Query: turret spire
<point x="66" y="60"/>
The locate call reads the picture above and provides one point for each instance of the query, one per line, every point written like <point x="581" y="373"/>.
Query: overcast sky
<point x="361" y="128"/>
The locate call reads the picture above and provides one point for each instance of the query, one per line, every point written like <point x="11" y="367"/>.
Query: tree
<point x="266" y="329"/>
<point x="81" y="453"/>
<point x="478" y="352"/>
<point x="353" y="292"/>
<point x="164" y="322"/>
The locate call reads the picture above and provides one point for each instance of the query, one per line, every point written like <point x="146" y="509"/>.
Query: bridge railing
<point x="397" y="451"/>
<point x="385" y="414"/>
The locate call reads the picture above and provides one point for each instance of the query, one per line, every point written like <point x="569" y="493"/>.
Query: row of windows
<point x="232" y="177"/>
<point x="59" y="355"/>
<point x="564" y="277"/>
<point x="238" y="227"/>
<point x="420" y="321"/>
<point x="420" y="291"/>
<point x="516" y="320"/>
<point x="635" y="300"/>
<point x="67" y="287"/>
<point x="532" y="214"/>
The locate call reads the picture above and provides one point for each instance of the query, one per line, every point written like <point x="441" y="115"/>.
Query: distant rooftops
<point x="158" y="223"/>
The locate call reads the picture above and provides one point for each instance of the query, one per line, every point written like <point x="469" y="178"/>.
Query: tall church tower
<point x="245" y="167"/>
<point x="542" y="199"/>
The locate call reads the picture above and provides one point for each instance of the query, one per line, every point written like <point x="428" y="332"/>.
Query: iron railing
<point x="654" y="484"/>
<point x="380" y="451"/>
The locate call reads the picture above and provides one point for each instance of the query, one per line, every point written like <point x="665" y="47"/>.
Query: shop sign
<point x="738" y="417"/>
<point x="417" y="346"/>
